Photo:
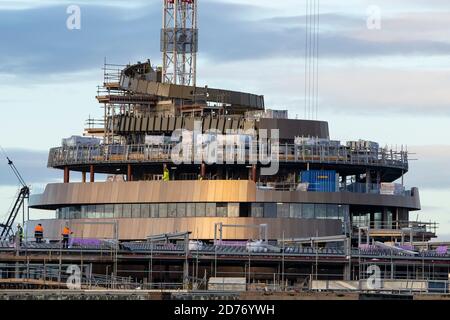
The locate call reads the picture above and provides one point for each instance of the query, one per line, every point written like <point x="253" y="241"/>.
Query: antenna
<point x="179" y="42"/>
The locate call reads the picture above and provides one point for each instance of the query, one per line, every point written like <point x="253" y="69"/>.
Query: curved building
<point x="216" y="163"/>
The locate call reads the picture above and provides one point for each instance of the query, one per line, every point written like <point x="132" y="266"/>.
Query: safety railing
<point x="406" y="226"/>
<point x="370" y="188"/>
<point x="80" y="155"/>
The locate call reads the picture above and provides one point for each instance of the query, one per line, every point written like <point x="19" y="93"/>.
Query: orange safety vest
<point x="38" y="228"/>
<point x="66" y="231"/>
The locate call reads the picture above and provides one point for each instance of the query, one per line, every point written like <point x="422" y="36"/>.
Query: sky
<point x="388" y="84"/>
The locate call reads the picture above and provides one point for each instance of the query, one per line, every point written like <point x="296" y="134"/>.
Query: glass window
<point x="85" y="212"/>
<point x="109" y="211"/>
<point x="145" y="210"/>
<point x="200" y="209"/>
<point x="332" y="211"/>
<point x="91" y="211"/>
<point x="136" y="210"/>
<point x="343" y="211"/>
<point x="65" y="213"/>
<point x="233" y="209"/>
<point x="172" y="210"/>
<point x="100" y="211"/>
<point x="222" y="210"/>
<point x="76" y="212"/>
<point x="308" y="210"/>
<point x="295" y="210"/>
<point x="270" y="210"/>
<point x="181" y="209"/>
<point x="190" y="210"/>
<point x="257" y="210"/>
<point x="163" y="210"/>
<point x="126" y="213"/>
<point x="210" y="209"/>
<point x="378" y="220"/>
<point x="118" y="209"/>
<point x="154" y="210"/>
<point x="283" y="210"/>
<point x="321" y="211"/>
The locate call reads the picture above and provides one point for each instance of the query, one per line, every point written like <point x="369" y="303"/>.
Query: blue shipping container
<point x="319" y="180"/>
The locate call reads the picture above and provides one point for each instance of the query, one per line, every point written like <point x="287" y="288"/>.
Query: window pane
<point x="200" y="209"/>
<point x="154" y="210"/>
<point x="136" y="211"/>
<point x="270" y="210"/>
<point x="308" y="210"/>
<point x="100" y="209"/>
<point x="145" y="210"/>
<point x="76" y="213"/>
<point x="84" y="212"/>
<point x="295" y="210"/>
<point x="109" y="211"/>
<point x="257" y="210"/>
<point x="222" y="209"/>
<point x="126" y="211"/>
<point x="233" y="209"/>
<point x="181" y="209"/>
<point x="283" y="210"/>
<point x="321" y="211"/>
<point x="210" y="209"/>
<point x="118" y="208"/>
<point x="172" y="210"/>
<point x="332" y="211"/>
<point x="190" y="210"/>
<point x="163" y="210"/>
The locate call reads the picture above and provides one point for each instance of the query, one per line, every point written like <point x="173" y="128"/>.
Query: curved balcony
<point x="136" y="154"/>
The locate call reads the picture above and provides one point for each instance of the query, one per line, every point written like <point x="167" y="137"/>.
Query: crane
<point x="6" y="228"/>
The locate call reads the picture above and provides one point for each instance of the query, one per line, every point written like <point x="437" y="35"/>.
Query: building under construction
<point x="183" y="185"/>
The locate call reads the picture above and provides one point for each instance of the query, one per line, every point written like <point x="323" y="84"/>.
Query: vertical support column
<point x="203" y="170"/>
<point x="344" y="182"/>
<point x="83" y="176"/>
<point x="66" y="175"/>
<point x="368" y="180"/>
<point x="254" y="173"/>
<point x="91" y="174"/>
<point x="129" y="173"/>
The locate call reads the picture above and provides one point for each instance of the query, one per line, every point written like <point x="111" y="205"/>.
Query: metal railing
<point x="358" y="187"/>
<point x="80" y="155"/>
<point x="406" y="226"/>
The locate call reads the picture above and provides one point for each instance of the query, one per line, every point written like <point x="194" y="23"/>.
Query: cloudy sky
<point x="389" y="85"/>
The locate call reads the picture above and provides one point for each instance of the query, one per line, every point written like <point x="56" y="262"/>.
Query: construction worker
<point x="66" y="234"/>
<point x="39" y="233"/>
<point x="19" y="234"/>
<point x="166" y="174"/>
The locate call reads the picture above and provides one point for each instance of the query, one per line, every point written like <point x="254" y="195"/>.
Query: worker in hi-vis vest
<point x="66" y="234"/>
<point x="166" y="174"/>
<point x="19" y="234"/>
<point x="39" y="233"/>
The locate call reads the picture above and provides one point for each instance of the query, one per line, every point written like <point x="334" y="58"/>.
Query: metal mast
<point x="179" y="42"/>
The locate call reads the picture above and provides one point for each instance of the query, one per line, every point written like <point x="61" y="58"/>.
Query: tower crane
<point x="6" y="228"/>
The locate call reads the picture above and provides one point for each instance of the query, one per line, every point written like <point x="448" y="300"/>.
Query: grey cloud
<point x="38" y="42"/>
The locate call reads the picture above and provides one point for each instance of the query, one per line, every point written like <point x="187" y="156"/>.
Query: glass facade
<point x="179" y="210"/>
